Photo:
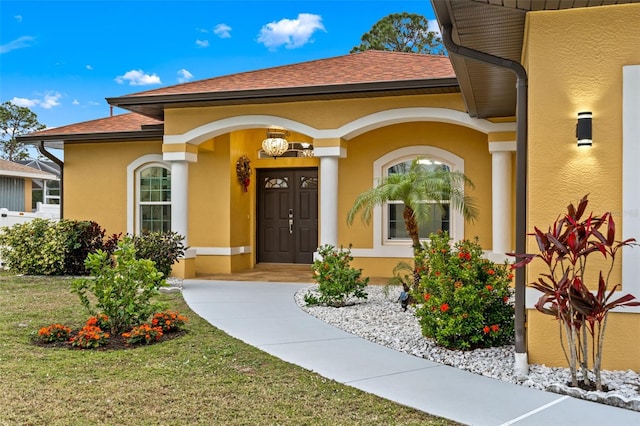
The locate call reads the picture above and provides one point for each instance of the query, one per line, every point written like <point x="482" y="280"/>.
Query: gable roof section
<point x="364" y="74"/>
<point x="11" y="169"/>
<point x="495" y="27"/>
<point x="118" y="127"/>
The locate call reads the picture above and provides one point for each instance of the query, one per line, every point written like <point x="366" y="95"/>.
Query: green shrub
<point x="122" y="287"/>
<point x="33" y="248"/>
<point x="163" y="248"/>
<point x="45" y="247"/>
<point x="80" y="239"/>
<point x="465" y="298"/>
<point x="337" y="280"/>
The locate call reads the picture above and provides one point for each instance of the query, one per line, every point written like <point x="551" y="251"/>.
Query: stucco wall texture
<point x="574" y="60"/>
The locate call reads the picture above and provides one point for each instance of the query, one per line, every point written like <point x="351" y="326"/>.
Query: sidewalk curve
<point x="266" y="316"/>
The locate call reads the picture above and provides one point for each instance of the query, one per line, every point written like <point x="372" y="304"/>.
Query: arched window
<point x="389" y="232"/>
<point x="439" y="213"/>
<point x="154" y="198"/>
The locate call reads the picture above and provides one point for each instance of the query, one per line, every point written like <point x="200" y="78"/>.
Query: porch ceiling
<point x="495" y="27"/>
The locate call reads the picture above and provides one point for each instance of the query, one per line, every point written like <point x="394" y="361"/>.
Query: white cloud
<point x="291" y="33"/>
<point x="202" y="30"/>
<point x="24" y="102"/>
<point x="19" y="43"/>
<point x="138" y="78"/>
<point x="48" y="101"/>
<point x="222" y="31"/>
<point x="184" y="76"/>
<point x="202" y="43"/>
<point x="94" y="103"/>
<point x="89" y="67"/>
<point x="18" y="18"/>
<point x="75" y="102"/>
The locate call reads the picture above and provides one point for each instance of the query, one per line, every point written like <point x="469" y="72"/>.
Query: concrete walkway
<point x="266" y="316"/>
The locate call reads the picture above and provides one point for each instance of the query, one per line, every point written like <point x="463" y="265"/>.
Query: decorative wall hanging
<point x="243" y="170"/>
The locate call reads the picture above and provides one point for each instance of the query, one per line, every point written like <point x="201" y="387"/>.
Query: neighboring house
<point x="44" y="191"/>
<point x="171" y="162"/>
<point x="16" y="181"/>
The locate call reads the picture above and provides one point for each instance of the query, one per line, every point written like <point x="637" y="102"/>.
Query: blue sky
<point x="62" y="59"/>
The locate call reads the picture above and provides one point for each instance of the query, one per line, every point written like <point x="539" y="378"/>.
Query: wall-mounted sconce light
<point x="583" y="129"/>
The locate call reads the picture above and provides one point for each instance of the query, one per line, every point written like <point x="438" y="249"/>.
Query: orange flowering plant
<point x="54" y="333"/>
<point x="100" y="320"/>
<point x="143" y="334"/>
<point x="465" y="299"/>
<point x="169" y="320"/>
<point x="90" y="337"/>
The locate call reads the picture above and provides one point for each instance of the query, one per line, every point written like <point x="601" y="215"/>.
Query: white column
<point x="501" y="194"/>
<point x="329" y="201"/>
<point x="180" y="198"/>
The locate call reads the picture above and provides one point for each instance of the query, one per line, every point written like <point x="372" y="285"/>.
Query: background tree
<point x="402" y="32"/>
<point x="15" y="121"/>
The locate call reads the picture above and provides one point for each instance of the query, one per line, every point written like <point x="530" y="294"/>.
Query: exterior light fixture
<point x="275" y="144"/>
<point x="307" y="149"/>
<point x="583" y="129"/>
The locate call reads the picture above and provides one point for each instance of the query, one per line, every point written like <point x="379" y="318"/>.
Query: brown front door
<point x="287" y="229"/>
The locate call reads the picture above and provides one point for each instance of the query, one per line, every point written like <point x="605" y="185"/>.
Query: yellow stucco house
<point x="502" y="108"/>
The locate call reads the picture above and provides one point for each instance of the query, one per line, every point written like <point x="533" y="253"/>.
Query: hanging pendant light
<point x="275" y="144"/>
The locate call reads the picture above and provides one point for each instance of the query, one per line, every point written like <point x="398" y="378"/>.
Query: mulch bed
<point x="115" y="343"/>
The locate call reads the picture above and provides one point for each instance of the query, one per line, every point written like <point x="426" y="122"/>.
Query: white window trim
<point x="139" y="203"/>
<point x="630" y="179"/>
<point x="133" y="170"/>
<point x="399" y="248"/>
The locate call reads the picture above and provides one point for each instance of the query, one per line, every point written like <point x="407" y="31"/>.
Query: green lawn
<point x="204" y="377"/>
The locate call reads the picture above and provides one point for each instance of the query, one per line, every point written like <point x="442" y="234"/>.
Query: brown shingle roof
<point x="348" y="73"/>
<point x="371" y="66"/>
<point x="129" y="122"/>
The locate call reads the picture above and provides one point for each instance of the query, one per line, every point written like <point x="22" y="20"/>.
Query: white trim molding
<point x="222" y="251"/>
<point x="131" y="185"/>
<point x="180" y="156"/>
<point x="630" y="181"/>
<point x="348" y="131"/>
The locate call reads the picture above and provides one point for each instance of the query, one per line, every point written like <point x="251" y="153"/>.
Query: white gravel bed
<point x="380" y="319"/>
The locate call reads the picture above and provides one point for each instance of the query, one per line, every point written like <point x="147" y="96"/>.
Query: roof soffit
<point x="495" y="27"/>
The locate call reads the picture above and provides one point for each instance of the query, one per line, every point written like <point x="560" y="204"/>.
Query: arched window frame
<point x="134" y="169"/>
<point x="382" y="244"/>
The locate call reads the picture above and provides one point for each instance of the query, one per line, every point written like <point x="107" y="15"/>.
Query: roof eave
<point x="102" y="136"/>
<point x="143" y="104"/>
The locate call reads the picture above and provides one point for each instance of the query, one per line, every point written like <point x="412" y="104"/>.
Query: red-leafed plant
<point x="581" y="313"/>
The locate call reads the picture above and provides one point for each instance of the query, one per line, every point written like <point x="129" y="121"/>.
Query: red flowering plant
<point x="143" y="334"/>
<point x="54" y="333"/>
<point x="90" y="337"/>
<point x="169" y="320"/>
<point x="580" y="302"/>
<point x="465" y="299"/>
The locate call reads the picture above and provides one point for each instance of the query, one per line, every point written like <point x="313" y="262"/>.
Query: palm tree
<point x="418" y="188"/>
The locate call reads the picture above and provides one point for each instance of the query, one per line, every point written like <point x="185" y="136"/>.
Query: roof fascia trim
<point x="177" y="98"/>
<point x="137" y="134"/>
